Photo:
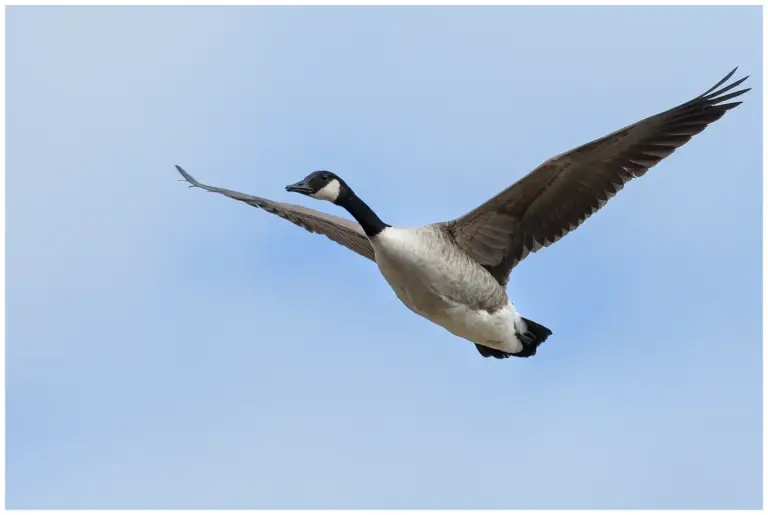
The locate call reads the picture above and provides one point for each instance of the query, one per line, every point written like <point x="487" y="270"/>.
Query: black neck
<point x="371" y="224"/>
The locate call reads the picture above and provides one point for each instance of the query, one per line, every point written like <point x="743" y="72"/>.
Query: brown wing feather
<point x="564" y="191"/>
<point x="342" y="231"/>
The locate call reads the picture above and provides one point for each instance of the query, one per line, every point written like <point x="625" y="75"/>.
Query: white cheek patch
<point x="329" y="192"/>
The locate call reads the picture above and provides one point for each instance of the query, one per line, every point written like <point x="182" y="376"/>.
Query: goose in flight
<point x="455" y="273"/>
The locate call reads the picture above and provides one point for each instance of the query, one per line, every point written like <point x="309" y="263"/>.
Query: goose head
<point x="325" y="185"/>
<point x="322" y="185"/>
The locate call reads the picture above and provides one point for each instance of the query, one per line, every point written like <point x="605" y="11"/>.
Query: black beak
<point x="299" y="187"/>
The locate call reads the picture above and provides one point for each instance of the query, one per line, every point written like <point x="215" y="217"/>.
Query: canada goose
<point x="455" y="273"/>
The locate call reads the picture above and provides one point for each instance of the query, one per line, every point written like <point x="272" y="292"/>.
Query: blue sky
<point x="169" y="348"/>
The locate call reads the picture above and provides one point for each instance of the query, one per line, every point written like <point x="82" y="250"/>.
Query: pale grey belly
<point x="416" y="288"/>
<point x="419" y="293"/>
<point x="443" y="285"/>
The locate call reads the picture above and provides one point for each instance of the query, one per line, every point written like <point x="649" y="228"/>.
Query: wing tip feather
<point x="713" y="92"/>
<point x="187" y="177"/>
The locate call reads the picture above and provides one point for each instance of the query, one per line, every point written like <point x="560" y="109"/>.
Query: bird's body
<point x="434" y="278"/>
<point x="455" y="273"/>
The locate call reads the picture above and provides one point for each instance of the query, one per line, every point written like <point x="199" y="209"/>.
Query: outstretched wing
<point x="564" y="191"/>
<point x="342" y="231"/>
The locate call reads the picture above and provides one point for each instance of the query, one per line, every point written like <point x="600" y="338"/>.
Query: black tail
<point x="532" y="338"/>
